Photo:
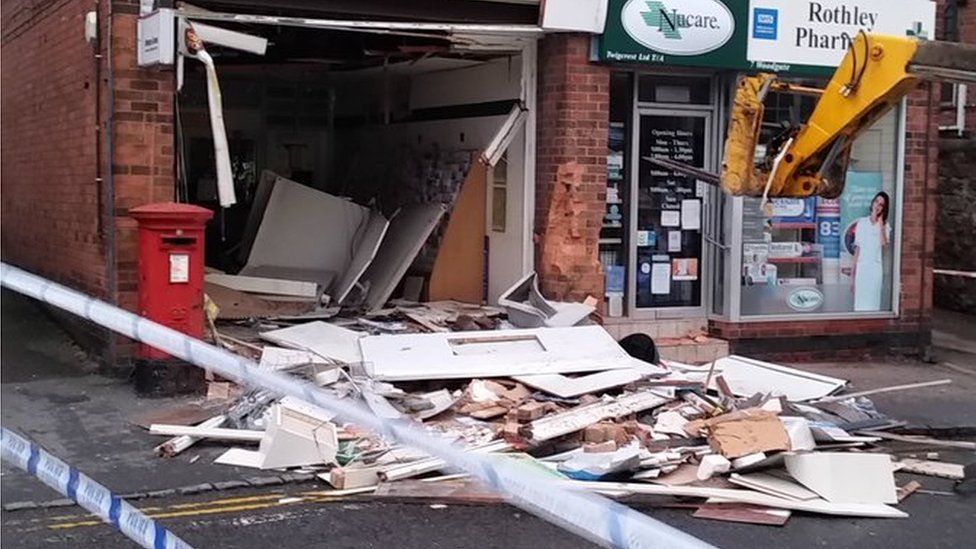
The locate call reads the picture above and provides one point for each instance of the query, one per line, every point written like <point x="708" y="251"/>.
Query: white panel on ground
<point x="492" y="353"/>
<point x="845" y="477"/>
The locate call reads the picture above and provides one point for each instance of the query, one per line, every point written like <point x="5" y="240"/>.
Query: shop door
<point x="668" y="261"/>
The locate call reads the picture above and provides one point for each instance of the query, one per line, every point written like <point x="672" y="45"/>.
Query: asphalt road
<point x="86" y="419"/>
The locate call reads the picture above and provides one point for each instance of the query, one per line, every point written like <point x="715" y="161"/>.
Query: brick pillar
<point x="573" y="122"/>
<point x="144" y="143"/>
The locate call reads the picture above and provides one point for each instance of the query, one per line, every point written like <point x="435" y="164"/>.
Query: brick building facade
<point x="89" y="135"/>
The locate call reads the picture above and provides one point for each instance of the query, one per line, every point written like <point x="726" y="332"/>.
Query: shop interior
<point x="383" y="158"/>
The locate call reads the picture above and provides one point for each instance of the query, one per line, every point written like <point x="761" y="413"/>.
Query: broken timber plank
<point x="952" y="471"/>
<point x="175" y="445"/>
<point x="743" y="512"/>
<point x="453" y="491"/>
<point x="921" y="440"/>
<point x="241" y="435"/>
<point x="578" y="418"/>
<point x="907" y="386"/>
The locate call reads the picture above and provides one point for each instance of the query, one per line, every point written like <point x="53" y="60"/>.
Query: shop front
<point x="787" y="281"/>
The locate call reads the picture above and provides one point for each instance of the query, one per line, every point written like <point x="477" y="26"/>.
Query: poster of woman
<point x="872" y="235"/>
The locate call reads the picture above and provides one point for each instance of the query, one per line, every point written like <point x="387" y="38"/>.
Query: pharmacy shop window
<point x="818" y="255"/>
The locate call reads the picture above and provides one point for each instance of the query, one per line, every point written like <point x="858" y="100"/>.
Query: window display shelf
<point x="794" y="259"/>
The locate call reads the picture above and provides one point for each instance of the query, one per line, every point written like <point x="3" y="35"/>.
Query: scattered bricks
<point x="195" y="489"/>
<point x="595" y="433"/>
<point x="601" y="447"/>
<point x="530" y="411"/>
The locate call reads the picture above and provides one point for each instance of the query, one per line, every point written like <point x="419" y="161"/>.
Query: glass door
<point x="669" y="211"/>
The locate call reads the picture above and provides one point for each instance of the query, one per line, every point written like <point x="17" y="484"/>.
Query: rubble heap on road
<point x="750" y="440"/>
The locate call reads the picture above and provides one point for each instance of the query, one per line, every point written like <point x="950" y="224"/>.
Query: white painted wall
<point x="494" y="80"/>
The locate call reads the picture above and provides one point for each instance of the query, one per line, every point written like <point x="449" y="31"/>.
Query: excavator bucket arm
<point x="877" y="72"/>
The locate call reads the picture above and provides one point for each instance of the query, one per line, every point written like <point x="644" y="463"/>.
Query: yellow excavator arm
<point x="811" y="159"/>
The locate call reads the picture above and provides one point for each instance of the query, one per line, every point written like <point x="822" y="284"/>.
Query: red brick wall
<point x="965" y="32"/>
<point x="144" y="143"/>
<point x="50" y="197"/>
<point x="573" y="125"/>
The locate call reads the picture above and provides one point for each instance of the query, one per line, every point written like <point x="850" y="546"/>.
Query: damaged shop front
<point x="349" y="162"/>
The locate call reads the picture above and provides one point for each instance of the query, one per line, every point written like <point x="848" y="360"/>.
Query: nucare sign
<point x="678" y="27"/>
<point x="674" y="32"/>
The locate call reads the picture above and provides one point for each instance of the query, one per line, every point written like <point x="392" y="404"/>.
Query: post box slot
<point x="179" y="241"/>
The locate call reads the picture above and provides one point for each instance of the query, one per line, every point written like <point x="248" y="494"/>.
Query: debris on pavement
<point x="531" y="381"/>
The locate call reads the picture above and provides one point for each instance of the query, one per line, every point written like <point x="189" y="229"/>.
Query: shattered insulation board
<point x="305" y="234"/>
<point x="499" y="353"/>
<point x="746" y="377"/>
<point x="367" y="245"/>
<point x="408" y="231"/>
<point x="568" y="387"/>
<point x="324" y="339"/>
<point x="235" y="305"/>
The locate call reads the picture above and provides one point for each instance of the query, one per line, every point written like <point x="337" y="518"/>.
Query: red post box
<point x="171" y="267"/>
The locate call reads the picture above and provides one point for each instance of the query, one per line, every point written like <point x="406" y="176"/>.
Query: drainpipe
<point x="111" y="276"/>
<point x="925" y="349"/>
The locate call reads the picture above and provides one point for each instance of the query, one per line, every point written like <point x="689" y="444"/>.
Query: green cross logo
<point x="658" y="18"/>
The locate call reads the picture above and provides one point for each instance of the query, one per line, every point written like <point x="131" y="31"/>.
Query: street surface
<point x="50" y="394"/>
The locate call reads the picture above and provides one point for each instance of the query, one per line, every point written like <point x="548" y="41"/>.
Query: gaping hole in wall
<point x="348" y="149"/>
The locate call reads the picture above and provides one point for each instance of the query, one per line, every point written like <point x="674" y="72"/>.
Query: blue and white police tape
<point x="594" y="517"/>
<point x="84" y="491"/>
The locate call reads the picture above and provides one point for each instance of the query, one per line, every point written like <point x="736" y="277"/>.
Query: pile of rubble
<point x="755" y="440"/>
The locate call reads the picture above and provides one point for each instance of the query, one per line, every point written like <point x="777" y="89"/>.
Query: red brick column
<point x="143" y="142"/>
<point x="573" y="122"/>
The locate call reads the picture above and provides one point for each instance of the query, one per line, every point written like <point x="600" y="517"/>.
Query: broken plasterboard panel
<point x="493" y="353"/>
<point x="233" y="305"/>
<point x="305" y="234"/>
<point x="746" y="377"/>
<point x="298" y="434"/>
<point x="409" y="230"/>
<point x="569" y="387"/>
<point x="841" y="477"/>
<point x="773" y="485"/>
<point x="366" y="245"/>
<point x="578" y="418"/>
<point x="745" y="496"/>
<point x="324" y="339"/>
<point x="266" y="286"/>
<point x="278" y="358"/>
<point x="528" y="308"/>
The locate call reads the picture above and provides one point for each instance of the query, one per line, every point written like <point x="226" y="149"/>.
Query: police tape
<point x="594" y="517"/>
<point x="84" y="491"/>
